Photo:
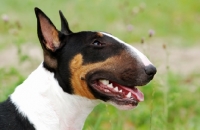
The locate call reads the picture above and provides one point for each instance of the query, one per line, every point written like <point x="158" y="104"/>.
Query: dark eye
<point x="97" y="43"/>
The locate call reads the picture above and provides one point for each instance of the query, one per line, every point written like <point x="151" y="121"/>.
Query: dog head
<point x="95" y="65"/>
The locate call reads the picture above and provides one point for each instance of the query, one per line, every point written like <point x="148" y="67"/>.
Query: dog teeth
<point x="128" y="95"/>
<point x="106" y="90"/>
<point x="120" y="91"/>
<point x="110" y="85"/>
<point x="116" y="89"/>
<point x="104" y="82"/>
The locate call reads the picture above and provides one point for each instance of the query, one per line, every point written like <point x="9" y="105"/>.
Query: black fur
<point x="64" y="24"/>
<point x="11" y="119"/>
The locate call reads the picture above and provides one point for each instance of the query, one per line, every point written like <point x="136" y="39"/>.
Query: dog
<point x="78" y="72"/>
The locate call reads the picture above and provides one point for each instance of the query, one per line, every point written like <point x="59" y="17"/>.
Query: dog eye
<point x="97" y="43"/>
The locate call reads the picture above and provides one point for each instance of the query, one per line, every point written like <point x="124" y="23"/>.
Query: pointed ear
<point x="47" y="32"/>
<point x="64" y="24"/>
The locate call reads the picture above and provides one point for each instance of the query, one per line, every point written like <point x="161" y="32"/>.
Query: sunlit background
<point x="168" y="32"/>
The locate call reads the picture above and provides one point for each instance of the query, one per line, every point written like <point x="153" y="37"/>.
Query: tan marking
<point x="50" y="61"/>
<point x="79" y="86"/>
<point x="56" y="41"/>
<point x="79" y="71"/>
<point x="99" y="34"/>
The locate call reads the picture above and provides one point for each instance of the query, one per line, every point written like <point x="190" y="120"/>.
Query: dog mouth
<point x="119" y="95"/>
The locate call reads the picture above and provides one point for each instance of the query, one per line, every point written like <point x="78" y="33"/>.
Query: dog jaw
<point x="125" y="69"/>
<point x="84" y="76"/>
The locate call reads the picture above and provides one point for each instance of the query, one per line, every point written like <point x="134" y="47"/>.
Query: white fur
<point x="47" y="106"/>
<point x="132" y="50"/>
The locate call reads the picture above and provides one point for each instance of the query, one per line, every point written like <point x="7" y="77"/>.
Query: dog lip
<point x="121" y="95"/>
<point x="91" y="78"/>
<point x="127" y="101"/>
<point x="135" y="92"/>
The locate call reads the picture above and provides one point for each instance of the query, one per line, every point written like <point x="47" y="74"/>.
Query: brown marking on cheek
<point x="99" y="34"/>
<point x="79" y="71"/>
<point x="79" y="86"/>
<point x="115" y="65"/>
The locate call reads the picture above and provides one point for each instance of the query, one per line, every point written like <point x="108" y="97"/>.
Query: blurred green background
<point x="171" y="99"/>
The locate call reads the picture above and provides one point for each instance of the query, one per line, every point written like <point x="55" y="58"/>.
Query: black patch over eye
<point x="97" y="43"/>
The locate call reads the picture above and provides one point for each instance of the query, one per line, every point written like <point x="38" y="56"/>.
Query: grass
<point x="172" y="20"/>
<point x="171" y="99"/>
<point x="7" y="87"/>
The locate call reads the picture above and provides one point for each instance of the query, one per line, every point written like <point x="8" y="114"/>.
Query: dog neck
<point x="47" y="106"/>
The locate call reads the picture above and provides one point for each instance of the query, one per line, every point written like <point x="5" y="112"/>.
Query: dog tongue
<point x="135" y="92"/>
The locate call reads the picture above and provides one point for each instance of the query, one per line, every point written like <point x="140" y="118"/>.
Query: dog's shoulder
<point x="10" y="115"/>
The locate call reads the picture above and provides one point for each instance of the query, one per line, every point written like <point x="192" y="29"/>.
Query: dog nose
<point x="150" y="70"/>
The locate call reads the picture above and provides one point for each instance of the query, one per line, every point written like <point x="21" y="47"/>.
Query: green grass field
<point x="171" y="99"/>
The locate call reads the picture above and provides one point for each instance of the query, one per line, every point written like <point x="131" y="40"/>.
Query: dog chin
<point x="122" y="107"/>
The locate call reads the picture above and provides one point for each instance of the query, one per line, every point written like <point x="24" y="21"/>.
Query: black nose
<point x="150" y="70"/>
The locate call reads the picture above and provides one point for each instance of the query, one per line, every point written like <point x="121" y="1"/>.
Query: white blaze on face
<point x="132" y="50"/>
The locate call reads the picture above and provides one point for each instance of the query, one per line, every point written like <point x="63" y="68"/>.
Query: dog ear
<point x="64" y="24"/>
<point x="50" y="39"/>
<point x="47" y="32"/>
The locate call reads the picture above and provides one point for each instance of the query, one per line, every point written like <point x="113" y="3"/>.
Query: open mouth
<point x="119" y="94"/>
